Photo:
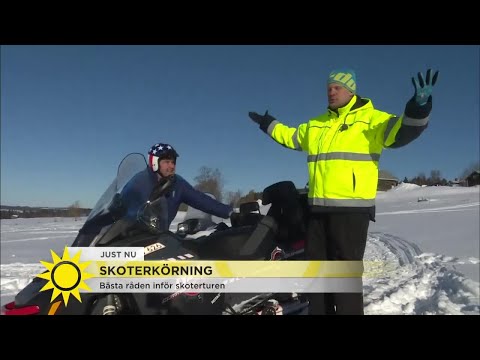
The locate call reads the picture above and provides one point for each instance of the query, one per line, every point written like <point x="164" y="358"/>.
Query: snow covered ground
<point x="428" y="238"/>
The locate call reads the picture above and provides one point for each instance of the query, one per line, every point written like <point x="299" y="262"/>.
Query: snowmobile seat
<point x="290" y="208"/>
<point x="251" y="242"/>
<point x="261" y="241"/>
<point x="249" y="215"/>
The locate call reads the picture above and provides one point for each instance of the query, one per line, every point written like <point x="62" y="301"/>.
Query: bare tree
<point x="251" y="196"/>
<point x="74" y="210"/>
<point x="435" y="177"/>
<point x="420" y="179"/>
<point x="233" y="198"/>
<point x="211" y="181"/>
<point x="471" y="168"/>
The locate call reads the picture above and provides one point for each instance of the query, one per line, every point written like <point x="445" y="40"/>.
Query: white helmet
<point x="161" y="151"/>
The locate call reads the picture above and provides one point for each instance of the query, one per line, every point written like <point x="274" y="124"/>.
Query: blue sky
<point x="69" y="114"/>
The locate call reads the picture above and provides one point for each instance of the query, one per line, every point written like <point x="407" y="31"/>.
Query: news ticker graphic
<point x="117" y="253"/>
<point x="226" y="285"/>
<point x="106" y="270"/>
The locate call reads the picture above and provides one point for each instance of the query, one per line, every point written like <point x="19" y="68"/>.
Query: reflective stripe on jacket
<point x="343" y="164"/>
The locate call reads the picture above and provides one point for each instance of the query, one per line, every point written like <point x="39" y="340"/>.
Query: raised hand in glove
<point x="263" y="120"/>
<point x="423" y="88"/>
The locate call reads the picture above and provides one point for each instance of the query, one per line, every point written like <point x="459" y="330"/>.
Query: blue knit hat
<point x="345" y="78"/>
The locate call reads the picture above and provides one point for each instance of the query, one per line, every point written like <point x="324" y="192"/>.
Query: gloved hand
<point x="423" y="88"/>
<point x="263" y="120"/>
<point x="260" y="118"/>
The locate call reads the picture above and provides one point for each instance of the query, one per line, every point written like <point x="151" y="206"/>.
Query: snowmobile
<point x="277" y="235"/>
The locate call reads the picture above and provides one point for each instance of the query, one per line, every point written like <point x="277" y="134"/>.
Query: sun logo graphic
<point x="65" y="276"/>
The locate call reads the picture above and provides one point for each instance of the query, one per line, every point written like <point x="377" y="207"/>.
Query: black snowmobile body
<point x="277" y="235"/>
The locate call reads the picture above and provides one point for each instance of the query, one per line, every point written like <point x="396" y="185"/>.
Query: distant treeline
<point x="211" y="181"/>
<point x="12" y="212"/>
<point x="434" y="179"/>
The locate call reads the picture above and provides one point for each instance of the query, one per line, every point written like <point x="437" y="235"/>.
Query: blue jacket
<point x="184" y="192"/>
<point x="138" y="189"/>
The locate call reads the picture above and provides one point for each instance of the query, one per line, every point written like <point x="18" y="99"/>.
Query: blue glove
<point x="423" y="88"/>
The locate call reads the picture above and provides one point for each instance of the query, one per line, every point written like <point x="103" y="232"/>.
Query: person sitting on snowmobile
<point x="170" y="190"/>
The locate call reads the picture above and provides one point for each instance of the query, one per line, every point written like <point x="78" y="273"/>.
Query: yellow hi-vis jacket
<point x="343" y="161"/>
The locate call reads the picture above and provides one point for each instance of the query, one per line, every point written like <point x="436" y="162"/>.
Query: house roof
<point x="385" y="175"/>
<point x="476" y="172"/>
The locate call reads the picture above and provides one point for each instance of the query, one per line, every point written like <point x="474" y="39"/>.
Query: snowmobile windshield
<point x="132" y="170"/>
<point x="133" y="200"/>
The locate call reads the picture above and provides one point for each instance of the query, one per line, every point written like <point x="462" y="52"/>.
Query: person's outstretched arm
<point x="203" y="202"/>
<point x="289" y="137"/>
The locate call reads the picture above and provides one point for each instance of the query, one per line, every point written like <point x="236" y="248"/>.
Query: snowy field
<point x="427" y="237"/>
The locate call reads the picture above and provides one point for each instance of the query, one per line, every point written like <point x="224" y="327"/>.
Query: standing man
<point x="344" y="146"/>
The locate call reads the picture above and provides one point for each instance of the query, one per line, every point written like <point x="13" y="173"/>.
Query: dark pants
<point x="337" y="236"/>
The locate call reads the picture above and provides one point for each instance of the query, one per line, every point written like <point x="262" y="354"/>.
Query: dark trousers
<point x="337" y="236"/>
